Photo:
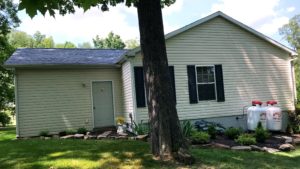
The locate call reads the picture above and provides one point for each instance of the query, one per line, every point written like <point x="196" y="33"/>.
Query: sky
<point x="265" y="16"/>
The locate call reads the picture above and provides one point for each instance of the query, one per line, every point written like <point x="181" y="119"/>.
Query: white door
<point x="103" y="104"/>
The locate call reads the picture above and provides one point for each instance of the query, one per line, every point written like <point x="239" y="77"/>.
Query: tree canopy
<point x="112" y="41"/>
<point x="68" y="6"/>
<point x="291" y="33"/>
<point x="8" y="20"/>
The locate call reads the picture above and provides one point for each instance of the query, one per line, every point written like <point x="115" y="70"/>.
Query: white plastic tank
<point x="274" y="116"/>
<point x="256" y="113"/>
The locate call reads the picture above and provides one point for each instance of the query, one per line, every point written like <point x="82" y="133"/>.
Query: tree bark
<point x="166" y="136"/>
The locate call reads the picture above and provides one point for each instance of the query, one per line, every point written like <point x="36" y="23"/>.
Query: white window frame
<point x="197" y="83"/>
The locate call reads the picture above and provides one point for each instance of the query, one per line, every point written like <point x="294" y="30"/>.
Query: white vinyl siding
<point x="54" y="100"/>
<point x="253" y="69"/>
<point x="127" y="89"/>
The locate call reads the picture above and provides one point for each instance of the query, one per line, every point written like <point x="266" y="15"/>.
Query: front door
<point x="103" y="104"/>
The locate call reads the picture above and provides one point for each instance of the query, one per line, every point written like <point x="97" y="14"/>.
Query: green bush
<point x="212" y="131"/>
<point x="186" y="128"/>
<point x="233" y="133"/>
<point x="200" y="137"/>
<point x="82" y="130"/>
<point x="4" y="119"/>
<point x="140" y="129"/>
<point x="246" y="139"/>
<point x="260" y="133"/>
<point x="294" y="121"/>
<point x="70" y="131"/>
<point x="62" y="133"/>
<point x="44" y="133"/>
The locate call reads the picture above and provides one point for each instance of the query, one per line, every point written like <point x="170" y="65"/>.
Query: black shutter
<point x="219" y="83"/>
<point x="172" y="76"/>
<point x="139" y="87"/>
<point x="192" y="83"/>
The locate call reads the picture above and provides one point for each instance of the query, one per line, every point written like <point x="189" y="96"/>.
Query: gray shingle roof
<point x="44" y="56"/>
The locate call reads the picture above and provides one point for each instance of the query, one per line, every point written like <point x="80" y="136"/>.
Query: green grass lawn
<point x="35" y="153"/>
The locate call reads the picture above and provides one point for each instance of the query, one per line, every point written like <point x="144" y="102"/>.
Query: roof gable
<point x="228" y="18"/>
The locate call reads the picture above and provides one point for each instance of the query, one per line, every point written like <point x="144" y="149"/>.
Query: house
<point x="218" y="65"/>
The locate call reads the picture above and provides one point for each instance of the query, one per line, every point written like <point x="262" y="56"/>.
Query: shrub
<point x="260" y="133"/>
<point x="4" y="119"/>
<point x="44" y="133"/>
<point x="233" y="133"/>
<point x="70" y="131"/>
<point x="294" y="121"/>
<point x="140" y="129"/>
<point x="62" y="133"/>
<point x="186" y="128"/>
<point x="82" y="130"/>
<point x="199" y="137"/>
<point x="246" y="139"/>
<point x="212" y="131"/>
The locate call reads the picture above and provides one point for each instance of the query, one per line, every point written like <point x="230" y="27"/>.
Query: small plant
<point x="212" y="131"/>
<point x="186" y="128"/>
<point x="294" y="120"/>
<point x="70" y="131"/>
<point x="246" y="139"/>
<point x="44" y="133"/>
<point x="120" y="120"/>
<point x="200" y="137"/>
<point x="233" y="133"/>
<point x="62" y="133"/>
<point x="4" y="119"/>
<point x="82" y="130"/>
<point x="261" y="134"/>
<point x="140" y="129"/>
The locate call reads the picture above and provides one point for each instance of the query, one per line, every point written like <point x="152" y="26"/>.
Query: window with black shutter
<point x="205" y="83"/>
<point x="140" y="85"/>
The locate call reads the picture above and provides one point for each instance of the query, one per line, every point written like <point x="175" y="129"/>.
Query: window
<point x="206" y="84"/>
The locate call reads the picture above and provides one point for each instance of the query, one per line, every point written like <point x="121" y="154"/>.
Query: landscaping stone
<point x="142" y="137"/>
<point x="123" y="134"/>
<point x="288" y="139"/>
<point x="270" y="150"/>
<point x="47" y="138"/>
<point x="90" y="137"/>
<point x="67" y="137"/>
<point x="297" y="141"/>
<point x="241" y="148"/>
<point x="104" y="135"/>
<point x="256" y="148"/>
<point x="286" y="147"/>
<point x="221" y="146"/>
<point x="79" y="136"/>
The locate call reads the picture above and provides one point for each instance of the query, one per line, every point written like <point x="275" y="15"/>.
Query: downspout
<point x="293" y="80"/>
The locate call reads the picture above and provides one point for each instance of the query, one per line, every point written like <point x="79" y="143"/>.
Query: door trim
<point x="113" y="100"/>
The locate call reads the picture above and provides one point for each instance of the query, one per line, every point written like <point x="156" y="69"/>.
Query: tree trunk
<point x="166" y="136"/>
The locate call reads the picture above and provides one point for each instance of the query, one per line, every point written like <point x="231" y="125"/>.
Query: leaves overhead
<point x="63" y="7"/>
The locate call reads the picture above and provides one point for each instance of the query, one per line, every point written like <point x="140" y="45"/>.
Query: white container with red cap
<point x="256" y="113"/>
<point x="274" y="116"/>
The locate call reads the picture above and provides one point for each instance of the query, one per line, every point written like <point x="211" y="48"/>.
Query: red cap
<point x="255" y="102"/>
<point x="271" y="102"/>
